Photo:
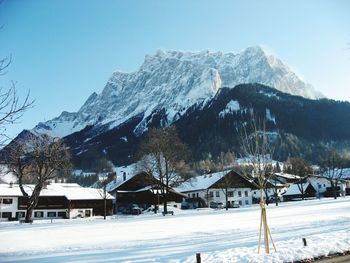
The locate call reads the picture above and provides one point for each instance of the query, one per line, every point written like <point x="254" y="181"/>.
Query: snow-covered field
<point x="220" y="236"/>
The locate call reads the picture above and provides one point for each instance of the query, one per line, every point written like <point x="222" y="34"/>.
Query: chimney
<point x="124" y="176"/>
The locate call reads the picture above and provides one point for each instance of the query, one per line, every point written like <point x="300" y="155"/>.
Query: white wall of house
<point x="320" y="184"/>
<point x="9" y="208"/>
<point x="8" y="204"/>
<point x="270" y="192"/>
<point x="80" y="213"/>
<point x="241" y="196"/>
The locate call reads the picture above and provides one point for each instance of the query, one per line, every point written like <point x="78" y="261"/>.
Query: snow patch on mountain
<point x="232" y="106"/>
<point x="270" y="116"/>
<point x="174" y="81"/>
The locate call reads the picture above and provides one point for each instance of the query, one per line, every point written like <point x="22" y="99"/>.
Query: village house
<point x="320" y="183"/>
<point x="56" y="200"/>
<point x="140" y="189"/>
<point x="294" y="192"/>
<point x="210" y="190"/>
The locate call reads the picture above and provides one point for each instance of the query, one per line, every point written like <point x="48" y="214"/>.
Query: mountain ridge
<point x="175" y="80"/>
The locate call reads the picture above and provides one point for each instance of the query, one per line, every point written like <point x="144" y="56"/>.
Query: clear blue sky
<point x="64" y="50"/>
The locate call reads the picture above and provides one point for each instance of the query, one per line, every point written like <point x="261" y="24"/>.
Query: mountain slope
<point x="175" y="81"/>
<point x="299" y="125"/>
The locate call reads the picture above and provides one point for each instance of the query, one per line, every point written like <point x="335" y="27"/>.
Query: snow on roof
<point x="345" y="173"/>
<point x="248" y="161"/>
<point x="201" y="182"/>
<point x="71" y="191"/>
<point x="288" y="176"/>
<point x="129" y="172"/>
<point x="293" y="189"/>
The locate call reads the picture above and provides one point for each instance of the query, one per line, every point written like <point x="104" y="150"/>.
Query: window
<point x="246" y="193"/>
<point x="87" y="213"/>
<point x="193" y="195"/>
<point x="6" y="215"/>
<point x="7" y="201"/>
<point x="230" y="193"/>
<point x="61" y="214"/>
<point x="246" y="202"/>
<point x="217" y="194"/>
<point x="20" y="214"/>
<point x="51" y="214"/>
<point x="240" y="202"/>
<point x="255" y="192"/>
<point x="211" y="194"/>
<point x="239" y="193"/>
<point x="319" y="186"/>
<point x="38" y="214"/>
<point x="324" y="185"/>
<point x="197" y="195"/>
<point x="189" y="195"/>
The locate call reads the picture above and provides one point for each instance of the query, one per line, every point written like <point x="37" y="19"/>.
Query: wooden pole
<point x="264" y="227"/>
<point x="304" y="242"/>
<point x="260" y="232"/>
<point x="266" y="235"/>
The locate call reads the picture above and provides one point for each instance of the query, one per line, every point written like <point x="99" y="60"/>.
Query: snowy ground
<point x="220" y="236"/>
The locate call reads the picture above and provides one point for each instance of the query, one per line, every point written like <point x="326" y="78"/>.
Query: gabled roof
<point x="201" y="182"/>
<point x="287" y="176"/>
<point x="293" y="189"/>
<point x="132" y="182"/>
<point x="207" y="181"/>
<point x="119" y="181"/>
<point x="71" y="191"/>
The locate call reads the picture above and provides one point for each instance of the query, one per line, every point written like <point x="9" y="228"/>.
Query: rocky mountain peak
<point x="173" y="81"/>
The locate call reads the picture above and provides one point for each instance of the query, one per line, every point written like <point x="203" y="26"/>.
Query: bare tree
<point x="37" y="161"/>
<point x="300" y="167"/>
<point x="163" y="155"/>
<point x="11" y="107"/>
<point x="104" y="171"/>
<point x="226" y="181"/>
<point x="257" y="149"/>
<point x="332" y="166"/>
<point x="147" y="165"/>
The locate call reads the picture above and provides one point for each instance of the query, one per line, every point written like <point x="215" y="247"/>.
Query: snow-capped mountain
<point x="173" y="81"/>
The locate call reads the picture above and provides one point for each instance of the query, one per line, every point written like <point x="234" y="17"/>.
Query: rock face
<point x="173" y="81"/>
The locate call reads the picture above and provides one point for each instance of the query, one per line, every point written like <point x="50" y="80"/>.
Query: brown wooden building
<point x="140" y="189"/>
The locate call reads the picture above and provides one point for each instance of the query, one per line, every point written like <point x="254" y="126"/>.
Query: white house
<point x="212" y="188"/>
<point x="323" y="185"/>
<point x="57" y="200"/>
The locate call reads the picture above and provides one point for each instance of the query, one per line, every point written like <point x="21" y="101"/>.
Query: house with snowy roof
<point x="323" y="185"/>
<point x="294" y="192"/>
<point x="56" y="200"/>
<point x="140" y="189"/>
<point x="210" y="189"/>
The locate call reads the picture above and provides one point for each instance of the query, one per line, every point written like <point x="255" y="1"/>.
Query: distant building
<point x="57" y="200"/>
<point x="210" y="190"/>
<point x="323" y="186"/>
<point x="294" y="193"/>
